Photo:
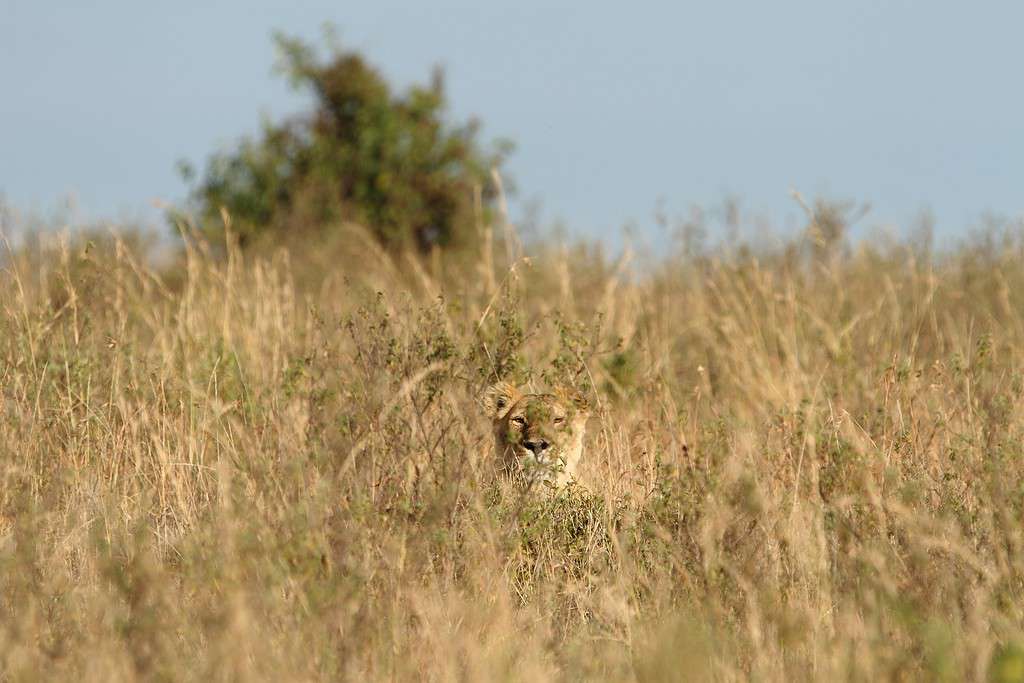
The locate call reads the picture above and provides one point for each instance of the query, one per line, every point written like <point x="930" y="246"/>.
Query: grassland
<point x="804" y="463"/>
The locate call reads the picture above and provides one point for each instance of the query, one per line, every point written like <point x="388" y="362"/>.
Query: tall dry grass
<point x="804" y="463"/>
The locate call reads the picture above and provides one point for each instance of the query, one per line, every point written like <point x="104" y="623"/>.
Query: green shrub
<point x="362" y="155"/>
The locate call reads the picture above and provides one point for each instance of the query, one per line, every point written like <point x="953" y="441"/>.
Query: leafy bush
<point x="363" y="155"/>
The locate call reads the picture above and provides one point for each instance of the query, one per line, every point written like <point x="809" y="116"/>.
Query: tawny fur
<point x="538" y="438"/>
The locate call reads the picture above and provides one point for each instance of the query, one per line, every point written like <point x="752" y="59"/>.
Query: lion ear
<point x="499" y="399"/>
<point x="575" y="397"/>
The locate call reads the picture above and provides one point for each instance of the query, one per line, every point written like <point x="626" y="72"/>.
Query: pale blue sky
<point x="614" y="107"/>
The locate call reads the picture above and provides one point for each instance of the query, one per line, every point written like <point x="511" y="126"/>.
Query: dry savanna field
<point x="803" y="462"/>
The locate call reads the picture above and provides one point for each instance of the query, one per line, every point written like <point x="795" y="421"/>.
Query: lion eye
<point x="519" y="420"/>
<point x="559" y="420"/>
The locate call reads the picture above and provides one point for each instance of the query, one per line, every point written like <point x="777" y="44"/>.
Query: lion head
<point x="538" y="437"/>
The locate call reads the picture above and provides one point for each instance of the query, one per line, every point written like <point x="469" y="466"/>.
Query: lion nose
<point x="537" y="445"/>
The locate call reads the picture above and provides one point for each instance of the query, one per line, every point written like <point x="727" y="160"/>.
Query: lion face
<point x="538" y="437"/>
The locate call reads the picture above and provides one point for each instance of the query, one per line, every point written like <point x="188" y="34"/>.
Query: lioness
<point x="538" y="438"/>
